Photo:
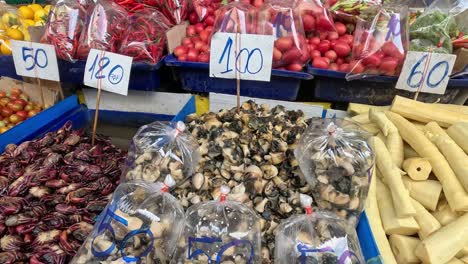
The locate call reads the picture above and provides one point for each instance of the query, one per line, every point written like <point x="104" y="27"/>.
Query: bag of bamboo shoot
<point x="337" y="162"/>
<point x="219" y="231"/>
<point x="141" y="224"/>
<point x="316" y="237"/>
<point x="159" y="149"/>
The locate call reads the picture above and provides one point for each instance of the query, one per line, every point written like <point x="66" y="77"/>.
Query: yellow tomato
<point x="40" y="15"/>
<point x="26" y="12"/>
<point x="35" y="7"/>
<point x="2" y="26"/>
<point x="27" y="37"/>
<point x="39" y="23"/>
<point x="5" y="47"/>
<point x="3" y="130"/>
<point x="14" y="33"/>
<point x="47" y="8"/>
<point x="28" y="22"/>
<point x="9" y="19"/>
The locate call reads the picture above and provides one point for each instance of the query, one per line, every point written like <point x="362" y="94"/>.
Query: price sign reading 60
<point x="109" y="70"/>
<point x="246" y="55"/>
<point x="35" y="60"/>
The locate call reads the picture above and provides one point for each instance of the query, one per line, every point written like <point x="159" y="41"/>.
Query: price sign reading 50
<point x="425" y="71"/>
<point x="35" y="60"/>
<point x="108" y="70"/>
<point x="248" y="55"/>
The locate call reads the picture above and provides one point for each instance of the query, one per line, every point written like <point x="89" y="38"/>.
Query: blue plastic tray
<point x="144" y="76"/>
<point x="284" y="85"/>
<point x="379" y="90"/>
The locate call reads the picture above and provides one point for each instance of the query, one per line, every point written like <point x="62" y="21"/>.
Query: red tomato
<point x="186" y="41"/>
<point x="199" y="45"/>
<point x="309" y="22"/>
<point x="204" y="57"/>
<point x="340" y="28"/>
<point x="342" y="49"/>
<point x="193" y="18"/>
<point x="388" y="65"/>
<point x="311" y="47"/>
<point x="291" y="56"/>
<point x="294" y="67"/>
<point x="333" y="67"/>
<point x="314" y="40"/>
<point x="348" y="39"/>
<point x="332" y="36"/>
<point x="332" y="43"/>
<point x="356" y="67"/>
<point x="204" y="35"/>
<point x="324" y="23"/>
<point x="331" y="55"/>
<point x="343" y="67"/>
<point x="22" y="114"/>
<point x="199" y="27"/>
<point x="209" y="20"/>
<point x="372" y="60"/>
<point x="205" y="48"/>
<point x="190" y="31"/>
<point x="315" y="54"/>
<point x="209" y="29"/>
<point x="324" y="46"/>
<point x="180" y="50"/>
<point x="284" y="43"/>
<point x="339" y="61"/>
<point x="323" y="35"/>
<point x="390" y="49"/>
<point x="182" y="57"/>
<point x="192" y="54"/>
<point x="320" y="62"/>
<point x="276" y="54"/>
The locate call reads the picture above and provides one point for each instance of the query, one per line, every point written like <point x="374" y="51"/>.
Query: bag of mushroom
<point x="316" y="237"/>
<point x="337" y="162"/>
<point x="159" y="149"/>
<point x="141" y="224"/>
<point x="220" y="231"/>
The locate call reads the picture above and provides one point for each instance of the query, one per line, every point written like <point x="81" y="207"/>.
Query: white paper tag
<point x="429" y="72"/>
<point x="247" y="54"/>
<point x="35" y="60"/>
<point x="109" y="69"/>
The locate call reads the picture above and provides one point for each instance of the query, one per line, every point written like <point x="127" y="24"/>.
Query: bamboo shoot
<point x="357" y="109"/>
<point x="455" y="261"/>
<point x="392" y="177"/>
<point x="403" y="248"/>
<point x="459" y="133"/>
<point x="444" y="244"/>
<point x="373" y="215"/>
<point x="409" y="152"/>
<point x="418" y="169"/>
<point x="428" y="224"/>
<point x="452" y="107"/>
<point x="464" y="259"/>
<point x="394" y="142"/>
<point x="456" y="195"/>
<point x="444" y="214"/>
<point x="361" y="119"/>
<point x="425" y="192"/>
<point x="455" y="155"/>
<point x="391" y="223"/>
<point x="425" y="113"/>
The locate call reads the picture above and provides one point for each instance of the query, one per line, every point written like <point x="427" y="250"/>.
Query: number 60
<point x="414" y="72"/>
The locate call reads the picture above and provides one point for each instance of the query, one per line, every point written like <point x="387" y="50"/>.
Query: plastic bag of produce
<point x="146" y="36"/>
<point x="141" y="224"/>
<point x="204" y="8"/>
<point x="220" y="231"/>
<point x="435" y="28"/>
<point x="277" y="18"/>
<point x="315" y="18"/>
<point x="161" y="148"/>
<point x="380" y="44"/>
<point x="352" y="10"/>
<point x="236" y="17"/>
<point x="176" y="10"/>
<point x="64" y="26"/>
<point x="105" y="29"/>
<point x="337" y="162"/>
<point x="316" y="237"/>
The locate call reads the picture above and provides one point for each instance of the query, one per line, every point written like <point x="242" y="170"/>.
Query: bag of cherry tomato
<point x="176" y="10"/>
<point x="105" y="29"/>
<point x="64" y="26"/>
<point x="146" y="38"/>
<point x="236" y="17"/>
<point x="141" y="224"/>
<point x="203" y="8"/>
<point x="315" y="18"/>
<point x="219" y="231"/>
<point x="277" y="18"/>
<point x="380" y="44"/>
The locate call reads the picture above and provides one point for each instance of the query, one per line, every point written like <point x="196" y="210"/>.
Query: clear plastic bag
<point x="204" y="8"/>
<point x="277" y="18"/>
<point x="352" y="10"/>
<point x="162" y="148"/>
<point x="141" y="224"/>
<point x="315" y="18"/>
<point x="220" y="231"/>
<point x="316" y="237"/>
<point x="236" y="17"/>
<point x="437" y="26"/>
<point x="105" y="29"/>
<point x="337" y="162"/>
<point x="176" y="10"/>
<point x="64" y="26"/>
<point x="380" y="44"/>
<point x="146" y="38"/>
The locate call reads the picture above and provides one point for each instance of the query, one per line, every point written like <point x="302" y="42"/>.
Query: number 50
<point x="415" y="72"/>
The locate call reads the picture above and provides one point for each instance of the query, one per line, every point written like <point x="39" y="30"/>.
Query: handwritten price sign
<point x="109" y="70"/>
<point x="35" y="60"/>
<point x="426" y="71"/>
<point x="248" y="55"/>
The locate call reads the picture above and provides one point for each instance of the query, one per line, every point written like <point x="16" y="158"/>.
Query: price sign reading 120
<point x="109" y="70"/>
<point x="246" y="55"/>
<point x="426" y="71"/>
<point x="35" y="60"/>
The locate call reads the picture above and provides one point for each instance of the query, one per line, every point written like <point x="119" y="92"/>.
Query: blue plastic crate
<point x="7" y="67"/>
<point x="143" y="77"/>
<point x="380" y="90"/>
<point x="284" y="85"/>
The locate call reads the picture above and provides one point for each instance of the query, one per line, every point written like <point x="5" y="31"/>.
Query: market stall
<point x="168" y="144"/>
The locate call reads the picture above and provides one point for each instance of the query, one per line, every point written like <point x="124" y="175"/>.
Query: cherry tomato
<point x="320" y="62"/>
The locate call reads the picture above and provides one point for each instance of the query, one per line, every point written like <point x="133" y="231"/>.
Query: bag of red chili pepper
<point x="176" y="10"/>
<point x="66" y="21"/>
<point x="277" y="18"/>
<point x="380" y="44"/>
<point x="204" y="8"/>
<point x="105" y="29"/>
<point x="146" y="38"/>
